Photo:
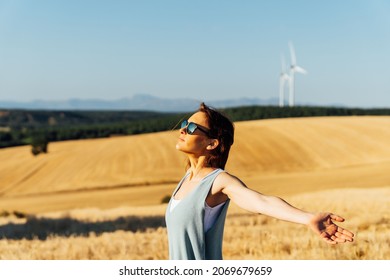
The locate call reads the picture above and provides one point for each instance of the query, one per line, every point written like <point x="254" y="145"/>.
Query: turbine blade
<point x="283" y="63"/>
<point x="292" y="53"/>
<point x="300" y="70"/>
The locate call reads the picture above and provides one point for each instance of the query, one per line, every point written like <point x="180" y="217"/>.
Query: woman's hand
<point x="322" y="224"/>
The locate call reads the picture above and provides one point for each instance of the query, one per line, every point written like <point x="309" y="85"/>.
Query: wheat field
<point x="101" y="199"/>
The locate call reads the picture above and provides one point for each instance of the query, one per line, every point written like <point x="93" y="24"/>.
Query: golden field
<point x="101" y="199"/>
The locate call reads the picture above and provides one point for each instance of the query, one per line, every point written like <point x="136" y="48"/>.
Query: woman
<point x="196" y="213"/>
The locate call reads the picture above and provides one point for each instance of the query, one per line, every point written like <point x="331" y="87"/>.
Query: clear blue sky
<point x="209" y="50"/>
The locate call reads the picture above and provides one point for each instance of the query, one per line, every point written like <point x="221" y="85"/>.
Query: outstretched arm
<point x="250" y="200"/>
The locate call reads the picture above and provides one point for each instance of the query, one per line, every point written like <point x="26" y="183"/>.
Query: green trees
<point x="39" y="143"/>
<point x="38" y="128"/>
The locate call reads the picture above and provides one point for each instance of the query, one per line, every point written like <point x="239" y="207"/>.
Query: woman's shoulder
<point x="224" y="178"/>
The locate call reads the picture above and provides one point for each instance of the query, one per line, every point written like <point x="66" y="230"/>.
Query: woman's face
<point x="197" y="142"/>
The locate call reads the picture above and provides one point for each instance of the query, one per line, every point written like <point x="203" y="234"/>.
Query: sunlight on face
<point x="197" y="142"/>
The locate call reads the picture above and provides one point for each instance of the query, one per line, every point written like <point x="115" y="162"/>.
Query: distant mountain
<point x="137" y="102"/>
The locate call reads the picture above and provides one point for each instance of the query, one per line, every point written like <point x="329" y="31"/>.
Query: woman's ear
<point x="213" y="144"/>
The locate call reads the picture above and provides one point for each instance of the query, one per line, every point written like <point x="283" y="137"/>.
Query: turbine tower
<point x="294" y="68"/>
<point x="284" y="77"/>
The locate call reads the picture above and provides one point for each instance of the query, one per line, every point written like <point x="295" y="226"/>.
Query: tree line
<point x="40" y="131"/>
<point x="38" y="127"/>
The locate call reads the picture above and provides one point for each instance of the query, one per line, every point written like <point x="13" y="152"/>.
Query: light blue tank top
<point x="185" y="224"/>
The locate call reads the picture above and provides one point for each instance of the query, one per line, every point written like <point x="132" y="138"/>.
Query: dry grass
<point x="132" y="233"/>
<point x="100" y="199"/>
<point x="366" y="213"/>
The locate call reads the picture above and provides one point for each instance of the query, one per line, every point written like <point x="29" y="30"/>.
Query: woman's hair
<point x="221" y="128"/>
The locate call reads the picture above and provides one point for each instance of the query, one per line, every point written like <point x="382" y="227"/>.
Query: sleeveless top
<point x="210" y="213"/>
<point x="185" y="224"/>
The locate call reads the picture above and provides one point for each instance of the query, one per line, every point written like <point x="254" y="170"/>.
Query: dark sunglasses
<point x="190" y="127"/>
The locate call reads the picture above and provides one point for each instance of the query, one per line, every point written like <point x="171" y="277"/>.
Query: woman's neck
<point x="198" y="168"/>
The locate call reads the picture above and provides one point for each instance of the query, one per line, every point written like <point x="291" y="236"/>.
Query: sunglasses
<point x="190" y="127"/>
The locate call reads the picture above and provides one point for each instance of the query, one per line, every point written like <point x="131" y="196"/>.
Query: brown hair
<point x="221" y="128"/>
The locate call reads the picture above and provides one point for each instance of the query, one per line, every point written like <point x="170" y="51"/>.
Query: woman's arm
<point x="256" y="202"/>
<point x="250" y="200"/>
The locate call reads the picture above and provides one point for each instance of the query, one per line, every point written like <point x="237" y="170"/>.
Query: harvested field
<point x="101" y="199"/>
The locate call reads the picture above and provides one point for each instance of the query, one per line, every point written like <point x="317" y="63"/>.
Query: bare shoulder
<point x="225" y="180"/>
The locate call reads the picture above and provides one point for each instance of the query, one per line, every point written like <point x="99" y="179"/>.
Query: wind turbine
<point x="294" y="68"/>
<point x="284" y="77"/>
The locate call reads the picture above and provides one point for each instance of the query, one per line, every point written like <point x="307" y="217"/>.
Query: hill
<point x="38" y="127"/>
<point x="280" y="156"/>
<point x="139" y="102"/>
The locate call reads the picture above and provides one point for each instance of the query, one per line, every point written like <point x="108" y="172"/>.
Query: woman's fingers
<point x="337" y="218"/>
